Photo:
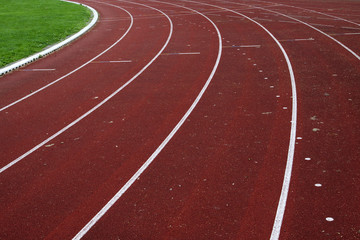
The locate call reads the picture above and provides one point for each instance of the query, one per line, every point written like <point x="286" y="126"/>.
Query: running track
<point x="188" y="120"/>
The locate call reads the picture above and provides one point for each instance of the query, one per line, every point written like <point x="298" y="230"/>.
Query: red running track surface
<point x="219" y="174"/>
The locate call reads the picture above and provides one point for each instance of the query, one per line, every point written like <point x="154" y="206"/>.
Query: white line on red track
<point x="339" y="34"/>
<point x="183" y="53"/>
<point x="297" y="20"/>
<point x="297" y="40"/>
<point x="37" y="70"/>
<point x="291" y="149"/>
<point x="114" y="61"/>
<point x="309" y="10"/>
<point x="243" y="46"/>
<point x="92" y="109"/>
<point x="96" y="218"/>
<point x="73" y="71"/>
<point x="318" y="30"/>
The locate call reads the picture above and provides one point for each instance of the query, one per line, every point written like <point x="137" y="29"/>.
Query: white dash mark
<point x="329" y="219"/>
<point x="318" y="185"/>
<point x="37" y="70"/>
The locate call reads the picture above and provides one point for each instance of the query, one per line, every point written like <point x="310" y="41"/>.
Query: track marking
<point x="324" y="14"/>
<point x="310" y="26"/>
<point x="321" y="25"/>
<point x="287" y="21"/>
<point x="243" y="46"/>
<point x="297" y="40"/>
<point x="96" y="218"/>
<point x="51" y="49"/>
<point x="37" y="70"/>
<point x="183" y="53"/>
<point x="352" y="28"/>
<point x="340" y="34"/>
<point x="120" y="61"/>
<point x="291" y="150"/>
<point x="92" y="109"/>
<point x="68" y="74"/>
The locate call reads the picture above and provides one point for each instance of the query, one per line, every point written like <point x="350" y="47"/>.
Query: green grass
<point x="28" y="26"/>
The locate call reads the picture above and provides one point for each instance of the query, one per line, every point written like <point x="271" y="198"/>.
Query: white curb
<point x="53" y="48"/>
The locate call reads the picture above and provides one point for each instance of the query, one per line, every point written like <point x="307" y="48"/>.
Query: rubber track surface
<point x="221" y="175"/>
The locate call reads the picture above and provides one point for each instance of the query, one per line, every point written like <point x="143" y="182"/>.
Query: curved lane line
<point x="75" y="70"/>
<point x="310" y="10"/>
<point x="128" y="184"/>
<point x="92" y="109"/>
<point x="291" y="150"/>
<point x="310" y="26"/>
<point x="45" y="52"/>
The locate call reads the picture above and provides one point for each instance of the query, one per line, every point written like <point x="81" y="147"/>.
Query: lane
<point x="208" y="171"/>
<point x="322" y="203"/>
<point x="32" y="122"/>
<point x="70" y="180"/>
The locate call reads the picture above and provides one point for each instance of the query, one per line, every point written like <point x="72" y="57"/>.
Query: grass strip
<point x="29" y="26"/>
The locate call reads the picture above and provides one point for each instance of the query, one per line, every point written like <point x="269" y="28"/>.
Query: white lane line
<point x="352" y="28"/>
<point x="310" y="26"/>
<point x="318" y="30"/>
<point x="120" y="61"/>
<point x="243" y="46"/>
<point x="287" y="21"/>
<point x="55" y="47"/>
<point x="321" y="25"/>
<point x="68" y="74"/>
<point x="324" y="14"/>
<point x="182" y="53"/>
<point x="291" y="149"/>
<point x="297" y="40"/>
<point x="92" y="109"/>
<point x="340" y="34"/>
<point x="96" y="218"/>
<point x="37" y="70"/>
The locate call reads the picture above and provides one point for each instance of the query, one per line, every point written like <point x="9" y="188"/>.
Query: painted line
<point x="310" y="26"/>
<point x="291" y="149"/>
<point x="321" y="25"/>
<point x="287" y="21"/>
<point x="92" y="109"/>
<point x="243" y="46"/>
<point x="120" y="61"/>
<point x="352" y="28"/>
<point x="263" y="19"/>
<point x="297" y="40"/>
<point x="234" y="17"/>
<point x="101" y="213"/>
<point x="340" y="34"/>
<point x="184" y="53"/>
<point x="75" y="70"/>
<point x="36" y="70"/>
<point x="52" y="49"/>
<point x="318" y="30"/>
<point x="324" y="14"/>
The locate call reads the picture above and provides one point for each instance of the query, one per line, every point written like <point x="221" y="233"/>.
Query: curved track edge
<point x="34" y="57"/>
